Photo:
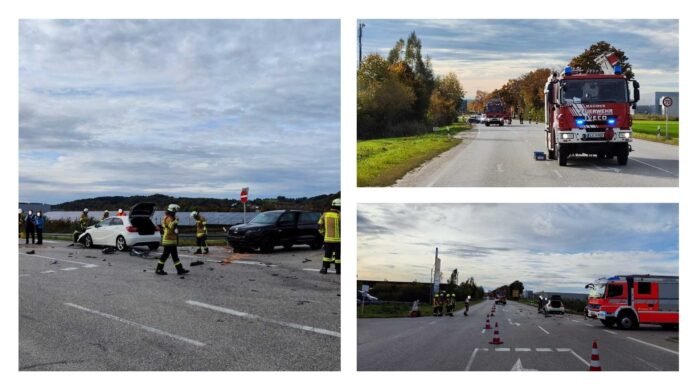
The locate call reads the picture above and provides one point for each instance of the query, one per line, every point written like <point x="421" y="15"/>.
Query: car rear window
<point x="116" y="222"/>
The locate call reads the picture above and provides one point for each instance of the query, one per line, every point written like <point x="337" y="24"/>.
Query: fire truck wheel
<point x="562" y="155"/>
<point x="627" y="321"/>
<point x="622" y="155"/>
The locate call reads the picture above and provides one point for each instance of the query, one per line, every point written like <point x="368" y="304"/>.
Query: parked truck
<point x="626" y="301"/>
<point x="590" y="112"/>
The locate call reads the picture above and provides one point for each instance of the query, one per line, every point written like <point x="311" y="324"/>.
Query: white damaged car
<point x="123" y="232"/>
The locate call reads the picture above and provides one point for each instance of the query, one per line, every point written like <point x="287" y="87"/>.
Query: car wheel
<point x="153" y="246"/>
<point x="88" y="241"/>
<point x="121" y="244"/>
<point x="627" y="321"/>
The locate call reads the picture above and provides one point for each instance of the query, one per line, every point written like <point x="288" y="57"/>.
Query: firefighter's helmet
<point x="336" y="203"/>
<point x="173" y="208"/>
<point x="194" y="214"/>
<point x="85" y="210"/>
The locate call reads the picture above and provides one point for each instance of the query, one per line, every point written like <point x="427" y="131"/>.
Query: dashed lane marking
<point x="503" y="349"/>
<point x="654" y="345"/>
<point x="589" y="325"/>
<point x="48" y="272"/>
<point x="544" y="350"/>
<point x="547" y="332"/>
<point x="575" y="321"/>
<point x="558" y="173"/>
<point x="263" y="319"/>
<point x="608" y="331"/>
<point x="69" y="269"/>
<point x="134" y="324"/>
<point x="523" y="349"/>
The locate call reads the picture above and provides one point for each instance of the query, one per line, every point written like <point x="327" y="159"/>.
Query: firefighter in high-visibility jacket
<point x="330" y="228"/>
<point x="201" y="233"/>
<point x="169" y="241"/>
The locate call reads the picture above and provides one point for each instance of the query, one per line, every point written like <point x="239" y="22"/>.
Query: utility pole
<point x="360" y="29"/>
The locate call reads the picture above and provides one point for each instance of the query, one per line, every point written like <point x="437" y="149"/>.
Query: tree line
<point x="409" y="292"/>
<point x="401" y="96"/>
<point x="524" y="95"/>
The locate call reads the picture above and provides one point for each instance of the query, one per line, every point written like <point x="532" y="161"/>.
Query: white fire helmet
<point x="336" y="203"/>
<point x="194" y="214"/>
<point x="173" y="208"/>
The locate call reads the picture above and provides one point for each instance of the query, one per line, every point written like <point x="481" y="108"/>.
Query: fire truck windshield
<point x="597" y="291"/>
<point x="494" y="107"/>
<point x="595" y="90"/>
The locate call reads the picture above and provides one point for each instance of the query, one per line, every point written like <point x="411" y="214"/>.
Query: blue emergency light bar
<point x="580" y="121"/>
<point x="611" y="121"/>
<point x="568" y="70"/>
<point x="617" y="69"/>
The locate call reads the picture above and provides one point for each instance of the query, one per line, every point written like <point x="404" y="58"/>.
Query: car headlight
<point x="566" y="136"/>
<point x="625" y="135"/>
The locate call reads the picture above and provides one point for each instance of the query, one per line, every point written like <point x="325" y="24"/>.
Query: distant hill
<point x="112" y="203"/>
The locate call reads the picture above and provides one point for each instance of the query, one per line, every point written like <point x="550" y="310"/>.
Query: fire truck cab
<point x="495" y="113"/>
<point x="626" y="301"/>
<point x="589" y="113"/>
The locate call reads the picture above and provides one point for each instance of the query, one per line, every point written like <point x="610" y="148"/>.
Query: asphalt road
<point x="530" y="342"/>
<point x="80" y="309"/>
<point x="504" y="156"/>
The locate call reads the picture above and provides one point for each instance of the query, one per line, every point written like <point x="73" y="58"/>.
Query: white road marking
<point x="654" y="345"/>
<point x="134" y="324"/>
<point x="558" y="173"/>
<point x="317" y="270"/>
<point x="483" y="330"/>
<point x="199" y="258"/>
<point x="503" y="349"/>
<point x="654" y="167"/>
<point x="48" y="272"/>
<point x="510" y="321"/>
<point x="648" y="363"/>
<point x="471" y="360"/>
<point x="575" y="321"/>
<point x="517" y="324"/>
<point x="589" y="325"/>
<point x="519" y="368"/>
<point x="544" y="350"/>
<point x="523" y="349"/>
<point x="547" y="332"/>
<point x="259" y="318"/>
<point x="611" y="169"/>
<point x="69" y="269"/>
<point x="90" y="266"/>
<point x="580" y="358"/>
<point x="64" y="261"/>
<point x="563" y="350"/>
<point x="608" y="331"/>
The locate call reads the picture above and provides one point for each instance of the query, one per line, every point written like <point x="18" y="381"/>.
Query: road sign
<point x="666" y="102"/>
<point x="244" y="196"/>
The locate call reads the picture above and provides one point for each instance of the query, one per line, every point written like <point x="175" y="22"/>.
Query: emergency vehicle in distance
<point x="496" y="113"/>
<point x="590" y="113"/>
<point x="630" y="300"/>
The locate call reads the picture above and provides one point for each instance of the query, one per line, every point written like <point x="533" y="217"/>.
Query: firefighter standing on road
<point x="29" y="227"/>
<point x="21" y="223"/>
<point x="436" y="304"/>
<point x="540" y="304"/>
<point x="169" y="240"/>
<point x="39" y="222"/>
<point x="466" y="305"/>
<point x="201" y="233"/>
<point x="106" y="214"/>
<point x="120" y="212"/>
<point x="330" y="227"/>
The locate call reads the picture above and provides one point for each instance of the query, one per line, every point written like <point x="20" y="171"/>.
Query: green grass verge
<point x="390" y="310"/>
<point x="647" y="130"/>
<point x="383" y="161"/>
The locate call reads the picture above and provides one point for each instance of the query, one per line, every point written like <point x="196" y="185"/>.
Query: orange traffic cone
<point x="488" y="323"/>
<point x="496" y="337"/>
<point x="594" y="361"/>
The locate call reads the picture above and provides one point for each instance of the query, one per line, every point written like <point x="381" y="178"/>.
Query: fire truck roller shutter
<point x="669" y="296"/>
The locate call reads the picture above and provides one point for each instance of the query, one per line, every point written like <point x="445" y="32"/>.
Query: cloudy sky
<point x="185" y="108"/>
<point x="486" y="53"/>
<point x="552" y="247"/>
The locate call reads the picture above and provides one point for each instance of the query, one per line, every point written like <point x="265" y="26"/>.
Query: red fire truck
<point x="590" y="112"/>
<point x="630" y="300"/>
<point x="496" y="113"/>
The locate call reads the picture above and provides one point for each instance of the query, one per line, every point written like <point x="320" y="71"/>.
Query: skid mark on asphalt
<point x="138" y="325"/>
<point x="263" y="319"/>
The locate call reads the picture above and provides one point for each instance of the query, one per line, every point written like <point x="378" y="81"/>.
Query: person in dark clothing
<point x="540" y="304"/>
<point x="29" y="227"/>
<point x="39" y="221"/>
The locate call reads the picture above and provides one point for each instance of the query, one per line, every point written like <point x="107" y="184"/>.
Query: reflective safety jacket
<point x="169" y="224"/>
<point x="201" y="227"/>
<point x="330" y="226"/>
<point x="84" y="222"/>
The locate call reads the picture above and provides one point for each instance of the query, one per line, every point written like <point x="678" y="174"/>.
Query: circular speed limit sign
<point x="666" y="102"/>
